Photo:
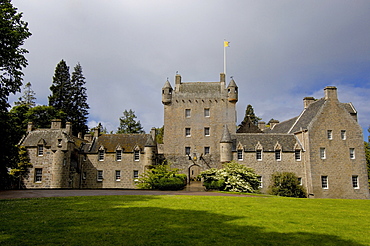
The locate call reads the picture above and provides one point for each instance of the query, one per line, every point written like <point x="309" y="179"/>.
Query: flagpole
<point x="225" y="58"/>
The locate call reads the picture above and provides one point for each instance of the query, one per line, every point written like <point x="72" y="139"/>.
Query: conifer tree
<point x="79" y="112"/>
<point x="128" y="124"/>
<point x="61" y="89"/>
<point x="249" y="112"/>
<point x="28" y="98"/>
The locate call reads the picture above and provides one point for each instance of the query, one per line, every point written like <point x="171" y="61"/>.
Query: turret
<point x="167" y="93"/>
<point x="232" y="91"/>
<point x="226" y="144"/>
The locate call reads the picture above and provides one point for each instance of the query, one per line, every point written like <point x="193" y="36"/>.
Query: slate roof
<point x="268" y="141"/>
<point x="205" y="88"/>
<point x="127" y="142"/>
<point x="48" y="136"/>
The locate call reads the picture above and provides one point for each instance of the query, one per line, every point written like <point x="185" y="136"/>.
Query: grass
<point x="184" y="220"/>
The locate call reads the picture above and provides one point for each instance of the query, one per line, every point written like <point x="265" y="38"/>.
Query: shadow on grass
<point x="122" y="223"/>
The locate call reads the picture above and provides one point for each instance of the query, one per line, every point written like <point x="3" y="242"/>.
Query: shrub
<point x="162" y="177"/>
<point x="232" y="177"/>
<point x="286" y="184"/>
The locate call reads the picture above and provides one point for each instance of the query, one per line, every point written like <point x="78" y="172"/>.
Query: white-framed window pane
<point x="187" y="132"/>
<point x="38" y="175"/>
<point x="343" y="134"/>
<point x="206" y="112"/>
<point x="187" y="112"/>
<point x="40" y="150"/>
<point x="136" y="155"/>
<point x="330" y="134"/>
<point x="187" y="150"/>
<point x="355" y="182"/>
<point x="322" y="153"/>
<point x="118" y="175"/>
<point x="240" y="154"/>
<point x="300" y="181"/>
<point x="118" y="155"/>
<point x="352" y="153"/>
<point x="259" y="155"/>
<point x="324" y="182"/>
<point x="278" y="155"/>
<point x="297" y="154"/>
<point x="136" y="175"/>
<point x="206" y="131"/>
<point x="101" y="155"/>
<point x="206" y="150"/>
<point x="100" y="175"/>
<point x="260" y="181"/>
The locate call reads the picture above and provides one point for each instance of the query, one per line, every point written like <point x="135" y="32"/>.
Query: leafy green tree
<point x="28" y="98"/>
<point x="249" y="112"/>
<point x="286" y="184"/>
<point x="22" y="168"/>
<point x="159" y="135"/>
<point x="232" y="177"/>
<point x="128" y="123"/>
<point x="41" y="116"/>
<point x="162" y="177"/>
<point x="13" y="32"/>
<point x="61" y="89"/>
<point x="18" y="119"/>
<point x="79" y="113"/>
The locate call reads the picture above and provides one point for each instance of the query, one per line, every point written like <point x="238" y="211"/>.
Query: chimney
<point x="88" y="137"/>
<point x="177" y="82"/>
<point x="69" y="128"/>
<point x="79" y="135"/>
<point x="307" y="101"/>
<point x="29" y="127"/>
<point x="331" y="93"/>
<point x="273" y="123"/>
<point x="153" y="133"/>
<point x="261" y="125"/>
<point x="97" y="131"/>
<point x="56" y="124"/>
<point x="222" y="80"/>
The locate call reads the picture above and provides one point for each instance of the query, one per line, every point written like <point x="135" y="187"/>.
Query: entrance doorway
<point x="194" y="171"/>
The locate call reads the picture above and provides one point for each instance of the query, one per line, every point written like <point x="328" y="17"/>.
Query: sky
<point x="280" y="52"/>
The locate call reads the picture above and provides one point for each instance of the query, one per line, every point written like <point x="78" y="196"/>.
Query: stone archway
<point x="194" y="171"/>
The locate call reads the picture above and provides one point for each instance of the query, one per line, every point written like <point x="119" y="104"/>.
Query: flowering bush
<point x="232" y="177"/>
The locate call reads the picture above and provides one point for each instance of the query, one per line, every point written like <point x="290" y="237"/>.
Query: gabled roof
<point x="201" y="88"/>
<point x="268" y="141"/>
<point x="127" y="142"/>
<point x="46" y="136"/>
<point x="247" y="126"/>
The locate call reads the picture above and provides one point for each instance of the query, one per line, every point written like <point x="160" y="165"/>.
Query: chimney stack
<point x="56" y="124"/>
<point x="307" y="101"/>
<point x="331" y="93"/>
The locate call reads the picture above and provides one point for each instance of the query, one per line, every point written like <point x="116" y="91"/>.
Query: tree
<point x="232" y="177"/>
<point x="22" y="168"/>
<point x="79" y="112"/>
<point x="286" y="184"/>
<point x="13" y="32"/>
<point x="28" y="98"/>
<point x="61" y="89"/>
<point x="41" y="116"/>
<point x="367" y="153"/>
<point x="159" y="132"/>
<point x="249" y="112"/>
<point x="128" y="124"/>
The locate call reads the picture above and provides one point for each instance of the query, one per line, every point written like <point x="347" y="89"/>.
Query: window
<point x="324" y="182"/>
<point x="297" y="154"/>
<point x="187" y="150"/>
<point x="38" y="175"/>
<point x="136" y="175"/>
<point x="118" y="155"/>
<point x="84" y="175"/>
<point x="187" y="132"/>
<point x="137" y="155"/>
<point x="351" y="153"/>
<point x="259" y="155"/>
<point x="206" y="112"/>
<point x="100" y="175"/>
<point x="59" y="142"/>
<point x="187" y="112"/>
<point x="40" y="150"/>
<point x="118" y="175"/>
<point x="278" y="155"/>
<point x="260" y="181"/>
<point x="330" y="134"/>
<point x="240" y="154"/>
<point x="322" y="153"/>
<point x="206" y="131"/>
<point x="101" y="155"/>
<point x="206" y="150"/>
<point x="300" y="181"/>
<point x="355" y="182"/>
<point x="343" y="134"/>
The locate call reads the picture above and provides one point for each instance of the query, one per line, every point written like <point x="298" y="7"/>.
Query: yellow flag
<point x="226" y="44"/>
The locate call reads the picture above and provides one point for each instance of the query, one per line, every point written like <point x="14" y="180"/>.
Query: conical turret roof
<point x="226" y="137"/>
<point x="232" y="83"/>
<point x="167" y="85"/>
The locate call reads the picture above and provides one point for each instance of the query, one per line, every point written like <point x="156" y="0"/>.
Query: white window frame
<point x="101" y="155"/>
<point x="298" y="155"/>
<point x="343" y="134"/>
<point x="207" y="112"/>
<point x="40" y="150"/>
<point x="136" y="155"/>
<point x="207" y="131"/>
<point x="187" y="150"/>
<point x="38" y="175"/>
<point x="277" y="155"/>
<point x="330" y="134"/>
<point x="207" y="150"/>
<point x="322" y="153"/>
<point x="259" y="155"/>
<point x="355" y="183"/>
<point x="118" y="175"/>
<point x="300" y="180"/>
<point x="118" y="155"/>
<point x="324" y="182"/>
<point x="99" y="175"/>
<point x="187" y="113"/>
<point x="187" y="132"/>
<point x="239" y="154"/>
<point x="136" y="175"/>
<point x="352" y="154"/>
<point x="260" y="179"/>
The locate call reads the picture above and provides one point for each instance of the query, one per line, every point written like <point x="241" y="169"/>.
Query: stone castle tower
<point x="194" y="116"/>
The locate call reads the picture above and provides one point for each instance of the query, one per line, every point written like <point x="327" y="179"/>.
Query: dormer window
<point x="40" y="150"/>
<point x="101" y="155"/>
<point x="118" y="155"/>
<point x="278" y="155"/>
<point x="59" y="142"/>
<point x="259" y="155"/>
<point x="136" y="155"/>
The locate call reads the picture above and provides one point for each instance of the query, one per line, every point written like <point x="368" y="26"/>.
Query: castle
<point x="323" y="145"/>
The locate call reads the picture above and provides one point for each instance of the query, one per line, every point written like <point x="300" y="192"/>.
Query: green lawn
<point x="184" y="220"/>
